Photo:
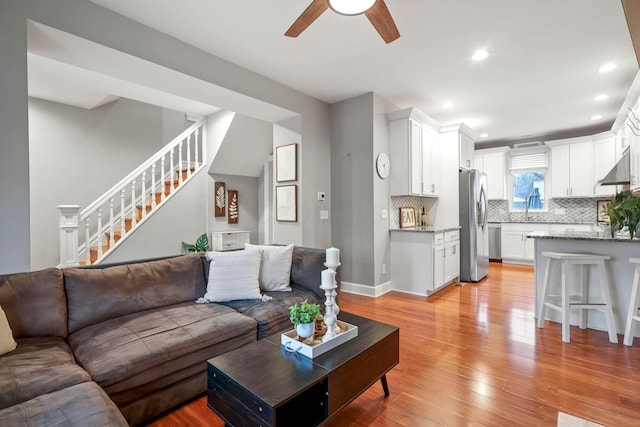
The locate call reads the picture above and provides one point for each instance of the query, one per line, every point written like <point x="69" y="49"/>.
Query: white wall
<point x="92" y="22"/>
<point x="77" y="154"/>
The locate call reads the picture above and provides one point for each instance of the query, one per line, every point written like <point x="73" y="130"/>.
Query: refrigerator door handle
<point x="482" y="209"/>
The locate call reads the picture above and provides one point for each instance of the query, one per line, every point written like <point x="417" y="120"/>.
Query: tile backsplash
<point x="398" y="202"/>
<point x="578" y="210"/>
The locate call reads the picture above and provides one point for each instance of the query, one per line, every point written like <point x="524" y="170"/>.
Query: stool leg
<point x="611" y="321"/>
<point x="633" y="308"/>
<point x="566" y="337"/>
<point x="584" y="279"/>
<point x="545" y="291"/>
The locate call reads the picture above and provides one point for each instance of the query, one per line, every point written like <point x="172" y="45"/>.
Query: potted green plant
<point x="303" y="317"/>
<point x="201" y="245"/>
<point x="624" y="211"/>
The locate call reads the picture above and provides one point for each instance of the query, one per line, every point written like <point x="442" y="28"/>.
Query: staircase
<point x="87" y="236"/>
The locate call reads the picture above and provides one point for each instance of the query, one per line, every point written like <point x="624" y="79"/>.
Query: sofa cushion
<point x="80" y="405"/>
<point x="96" y="295"/>
<point x="275" y="266"/>
<point x="7" y="343"/>
<point x="139" y="348"/>
<point x="233" y="275"/>
<point x="273" y="315"/>
<point x="37" y="366"/>
<point x="41" y="292"/>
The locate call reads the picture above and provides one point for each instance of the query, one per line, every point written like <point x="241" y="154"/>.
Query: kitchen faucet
<point x="526" y="209"/>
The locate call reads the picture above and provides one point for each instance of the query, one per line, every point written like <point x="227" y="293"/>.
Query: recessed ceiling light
<point x="601" y="97"/>
<point x="596" y="117"/>
<point x="484" y="135"/>
<point x="607" y="67"/>
<point x="479" y="55"/>
<point x="447" y="105"/>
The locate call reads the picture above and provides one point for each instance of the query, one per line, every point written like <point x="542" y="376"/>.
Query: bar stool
<point x="632" y="313"/>
<point x="567" y="301"/>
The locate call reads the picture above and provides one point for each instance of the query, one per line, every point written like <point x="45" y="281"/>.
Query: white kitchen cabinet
<point x="414" y="155"/>
<point x="423" y="262"/>
<point x="492" y="162"/>
<point x="604" y="158"/>
<point x="460" y="135"/>
<point x="516" y="247"/>
<point x="229" y="240"/>
<point x="631" y="129"/>
<point x="571" y="171"/>
<point x="466" y="151"/>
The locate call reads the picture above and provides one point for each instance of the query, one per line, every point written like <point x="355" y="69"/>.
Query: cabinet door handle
<point x="433" y="188"/>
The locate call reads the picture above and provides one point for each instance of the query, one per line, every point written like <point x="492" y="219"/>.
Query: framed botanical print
<point x="287" y="203"/>
<point x="220" y="200"/>
<point x="287" y="163"/>
<point x="233" y="208"/>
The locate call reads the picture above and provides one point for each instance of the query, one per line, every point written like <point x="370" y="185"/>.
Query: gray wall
<point x="248" y="198"/>
<point x="76" y="155"/>
<point x="92" y="22"/>
<point x="352" y="187"/>
<point x="291" y="232"/>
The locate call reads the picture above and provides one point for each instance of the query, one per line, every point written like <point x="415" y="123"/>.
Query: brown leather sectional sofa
<point x="120" y="344"/>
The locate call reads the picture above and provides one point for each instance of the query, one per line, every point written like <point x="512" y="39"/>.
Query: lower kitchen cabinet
<point x="516" y="247"/>
<point x="423" y="262"/>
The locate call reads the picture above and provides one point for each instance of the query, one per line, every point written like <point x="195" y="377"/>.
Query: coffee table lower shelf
<point x="261" y="384"/>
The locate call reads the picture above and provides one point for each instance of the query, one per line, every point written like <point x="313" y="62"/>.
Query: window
<point x="528" y="172"/>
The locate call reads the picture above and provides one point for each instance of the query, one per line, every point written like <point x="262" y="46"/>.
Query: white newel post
<point x="68" y="225"/>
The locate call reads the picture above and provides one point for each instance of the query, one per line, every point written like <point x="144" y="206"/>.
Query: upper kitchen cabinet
<point x="604" y="158"/>
<point x="466" y="144"/>
<point x="571" y="170"/>
<point x="632" y="137"/>
<point x="492" y="162"/>
<point x="414" y="154"/>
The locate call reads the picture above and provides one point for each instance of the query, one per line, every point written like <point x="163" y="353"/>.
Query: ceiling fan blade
<point x="310" y="14"/>
<point x="382" y="21"/>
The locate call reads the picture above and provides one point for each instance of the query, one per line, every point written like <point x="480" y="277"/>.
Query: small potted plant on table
<point x="303" y="317"/>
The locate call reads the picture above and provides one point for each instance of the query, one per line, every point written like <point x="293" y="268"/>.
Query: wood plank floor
<point x="471" y="356"/>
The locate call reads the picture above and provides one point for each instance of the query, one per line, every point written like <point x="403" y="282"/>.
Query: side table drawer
<point x="229" y="240"/>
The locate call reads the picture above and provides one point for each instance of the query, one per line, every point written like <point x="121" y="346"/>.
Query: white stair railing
<point x="89" y="235"/>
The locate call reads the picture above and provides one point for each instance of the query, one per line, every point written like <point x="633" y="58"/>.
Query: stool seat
<point x="632" y="312"/>
<point x="579" y="302"/>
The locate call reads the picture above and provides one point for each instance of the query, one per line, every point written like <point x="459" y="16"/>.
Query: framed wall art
<point x="407" y="217"/>
<point x="287" y="163"/>
<point x="220" y="200"/>
<point x="233" y="209"/>
<point x="287" y="203"/>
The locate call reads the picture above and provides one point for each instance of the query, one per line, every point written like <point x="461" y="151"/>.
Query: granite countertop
<point x="541" y="222"/>
<point x="582" y="235"/>
<point x="426" y="229"/>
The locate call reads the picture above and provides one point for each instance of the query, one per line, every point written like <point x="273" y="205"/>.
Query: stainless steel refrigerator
<point x="474" y="232"/>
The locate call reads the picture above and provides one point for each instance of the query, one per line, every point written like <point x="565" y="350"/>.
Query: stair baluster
<point x="134" y="212"/>
<point x="171" y="173"/>
<point x="180" y="180"/>
<point x="188" y="156"/>
<point x="123" y="214"/>
<point x="162" y="177"/>
<point x="99" y="232"/>
<point x="87" y="239"/>
<point x="153" y="186"/>
<point x="112" y="239"/>
<point x="196" y="150"/>
<point x="143" y="198"/>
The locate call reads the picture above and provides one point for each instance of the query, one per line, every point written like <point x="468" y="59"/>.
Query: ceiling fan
<point x="375" y="10"/>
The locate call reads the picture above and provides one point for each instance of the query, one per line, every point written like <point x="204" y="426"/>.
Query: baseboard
<point x="368" y="291"/>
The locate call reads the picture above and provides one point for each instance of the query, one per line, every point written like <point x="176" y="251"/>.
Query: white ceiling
<point x="540" y="78"/>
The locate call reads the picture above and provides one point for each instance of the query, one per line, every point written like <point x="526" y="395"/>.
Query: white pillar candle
<point x="327" y="277"/>
<point x="333" y="256"/>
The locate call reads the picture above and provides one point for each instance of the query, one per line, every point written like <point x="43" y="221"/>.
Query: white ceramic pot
<point x="305" y="330"/>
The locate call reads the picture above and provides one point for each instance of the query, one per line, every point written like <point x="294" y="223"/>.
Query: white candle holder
<point x="334" y="294"/>
<point x="330" y="316"/>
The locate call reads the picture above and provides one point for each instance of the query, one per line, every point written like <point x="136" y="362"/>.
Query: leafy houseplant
<point x="201" y="245"/>
<point x="624" y="210"/>
<point x="303" y="317"/>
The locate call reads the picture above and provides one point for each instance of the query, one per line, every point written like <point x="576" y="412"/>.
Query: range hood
<point x="620" y="174"/>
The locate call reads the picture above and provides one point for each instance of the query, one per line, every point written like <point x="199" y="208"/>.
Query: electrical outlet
<point x="559" y="211"/>
<point x="384" y="268"/>
<point x="324" y="214"/>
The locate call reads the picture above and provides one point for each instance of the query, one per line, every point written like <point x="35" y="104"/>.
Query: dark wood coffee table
<point x="262" y="384"/>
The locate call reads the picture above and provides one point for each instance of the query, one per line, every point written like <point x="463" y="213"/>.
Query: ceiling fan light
<point x="351" y="7"/>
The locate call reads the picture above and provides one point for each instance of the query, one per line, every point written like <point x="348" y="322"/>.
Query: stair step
<point x="139" y="210"/>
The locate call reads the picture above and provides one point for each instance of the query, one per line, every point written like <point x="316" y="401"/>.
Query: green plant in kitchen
<point x="201" y="245"/>
<point x="303" y="313"/>
<point x="624" y="211"/>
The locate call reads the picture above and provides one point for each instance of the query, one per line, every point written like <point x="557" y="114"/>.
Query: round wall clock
<point x="383" y="165"/>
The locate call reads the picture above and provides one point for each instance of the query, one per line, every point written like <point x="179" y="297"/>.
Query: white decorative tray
<point x="290" y="342"/>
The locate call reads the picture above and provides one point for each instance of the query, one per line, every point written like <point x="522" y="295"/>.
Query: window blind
<point x="528" y="161"/>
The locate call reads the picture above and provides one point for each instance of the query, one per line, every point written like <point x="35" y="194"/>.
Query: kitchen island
<point x="424" y="259"/>
<point x="619" y="269"/>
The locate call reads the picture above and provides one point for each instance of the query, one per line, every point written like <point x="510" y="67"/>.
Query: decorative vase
<point x="305" y="330"/>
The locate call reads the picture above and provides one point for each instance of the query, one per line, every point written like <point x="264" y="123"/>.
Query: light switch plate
<point x="385" y="214"/>
<point x="324" y="214"/>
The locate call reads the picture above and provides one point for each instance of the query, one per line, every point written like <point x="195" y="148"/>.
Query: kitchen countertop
<point x="426" y="229"/>
<point x="541" y="222"/>
<point x="582" y="235"/>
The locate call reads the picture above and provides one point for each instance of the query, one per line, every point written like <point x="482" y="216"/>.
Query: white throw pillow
<point x="7" y="343"/>
<point x="275" y="271"/>
<point x="233" y="276"/>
